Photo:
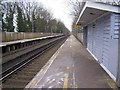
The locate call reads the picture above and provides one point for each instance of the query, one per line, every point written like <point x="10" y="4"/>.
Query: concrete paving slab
<point x="72" y="66"/>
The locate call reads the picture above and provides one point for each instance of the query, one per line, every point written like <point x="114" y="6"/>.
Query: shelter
<point x="101" y="23"/>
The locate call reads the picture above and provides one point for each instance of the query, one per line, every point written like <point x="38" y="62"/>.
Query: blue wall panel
<point x="102" y="41"/>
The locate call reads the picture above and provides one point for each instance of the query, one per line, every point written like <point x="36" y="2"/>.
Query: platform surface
<point x="72" y="66"/>
<point x="25" y="40"/>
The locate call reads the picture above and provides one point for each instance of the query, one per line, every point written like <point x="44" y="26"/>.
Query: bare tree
<point x="75" y="8"/>
<point x="116" y="2"/>
<point x="8" y="10"/>
<point x="30" y="17"/>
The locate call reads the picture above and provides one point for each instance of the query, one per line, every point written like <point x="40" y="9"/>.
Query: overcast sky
<point x="60" y="9"/>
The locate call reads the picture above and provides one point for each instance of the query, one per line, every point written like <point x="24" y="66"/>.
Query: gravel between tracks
<point x="22" y="77"/>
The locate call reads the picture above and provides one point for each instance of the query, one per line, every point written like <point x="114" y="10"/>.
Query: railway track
<point x="21" y="73"/>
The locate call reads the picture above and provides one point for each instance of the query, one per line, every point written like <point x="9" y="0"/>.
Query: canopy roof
<point x="93" y="10"/>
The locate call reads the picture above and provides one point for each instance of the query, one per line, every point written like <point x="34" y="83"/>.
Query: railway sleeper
<point x="15" y="83"/>
<point x="19" y="81"/>
<point x="14" y="87"/>
<point x="22" y="77"/>
<point x="32" y="70"/>
<point x="27" y="73"/>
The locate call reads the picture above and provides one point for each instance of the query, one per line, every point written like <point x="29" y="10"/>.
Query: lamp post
<point x="47" y="27"/>
<point x="0" y="21"/>
<point x="33" y="25"/>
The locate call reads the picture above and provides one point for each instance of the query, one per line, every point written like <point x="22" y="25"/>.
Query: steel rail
<point x="36" y="53"/>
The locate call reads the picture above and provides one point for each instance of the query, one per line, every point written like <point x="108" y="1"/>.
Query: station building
<point x="101" y="26"/>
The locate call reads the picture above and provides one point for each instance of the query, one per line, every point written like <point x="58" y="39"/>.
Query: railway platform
<point x="26" y="40"/>
<point x="72" y="66"/>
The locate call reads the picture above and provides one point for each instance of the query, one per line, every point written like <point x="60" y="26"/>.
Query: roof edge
<point x="99" y="6"/>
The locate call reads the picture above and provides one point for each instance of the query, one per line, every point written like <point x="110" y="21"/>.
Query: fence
<point x="12" y="36"/>
<point x="80" y="37"/>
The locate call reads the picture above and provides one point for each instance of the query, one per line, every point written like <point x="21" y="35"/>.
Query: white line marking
<point x="43" y="71"/>
<point x="62" y="45"/>
<point x="68" y="67"/>
<point x="74" y="85"/>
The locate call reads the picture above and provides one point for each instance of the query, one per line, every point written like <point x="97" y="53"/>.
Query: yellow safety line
<point x="76" y="86"/>
<point x="65" y="86"/>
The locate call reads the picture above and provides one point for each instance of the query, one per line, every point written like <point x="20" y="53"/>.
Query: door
<point x="85" y="36"/>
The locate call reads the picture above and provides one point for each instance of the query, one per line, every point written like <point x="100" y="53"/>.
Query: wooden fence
<point x="12" y="36"/>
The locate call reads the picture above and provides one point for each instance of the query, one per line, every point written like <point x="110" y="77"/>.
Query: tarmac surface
<point x="72" y="66"/>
